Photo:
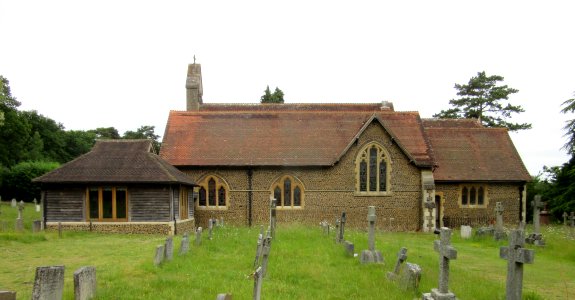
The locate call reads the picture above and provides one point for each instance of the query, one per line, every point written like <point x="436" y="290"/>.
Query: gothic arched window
<point x="288" y="192"/>
<point x="213" y="193"/>
<point x="372" y="170"/>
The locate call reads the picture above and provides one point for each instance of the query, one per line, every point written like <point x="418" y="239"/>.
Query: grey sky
<point x="123" y="63"/>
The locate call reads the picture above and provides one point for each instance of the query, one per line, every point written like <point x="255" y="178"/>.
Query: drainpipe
<point x="250" y="196"/>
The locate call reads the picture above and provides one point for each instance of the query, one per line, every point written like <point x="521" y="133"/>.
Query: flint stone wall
<point x="165" y="228"/>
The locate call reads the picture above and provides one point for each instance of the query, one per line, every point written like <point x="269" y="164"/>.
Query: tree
<point x="482" y="99"/>
<point x="106" y="133"/>
<point x="569" y="107"/>
<point x="17" y="182"/>
<point x="145" y="132"/>
<point x="276" y="97"/>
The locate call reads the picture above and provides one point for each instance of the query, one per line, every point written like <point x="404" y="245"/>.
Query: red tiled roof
<point x="465" y="152"/>
<point x="117" y="161"/>
<point x="261" y="136"/>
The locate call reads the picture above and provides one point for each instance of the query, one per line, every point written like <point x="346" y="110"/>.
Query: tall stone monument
<point x="536" y="237"/>
<point x="516" y="256"/>
<point x="499" y="231"/>
<point x="446" y="253"/>
<point x="371" y="255"/>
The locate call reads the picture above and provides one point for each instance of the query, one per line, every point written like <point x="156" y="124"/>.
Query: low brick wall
<point x="165" y="228"/>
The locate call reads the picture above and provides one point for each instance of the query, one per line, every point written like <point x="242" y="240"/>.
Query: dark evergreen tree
<point x="276" y="97"/>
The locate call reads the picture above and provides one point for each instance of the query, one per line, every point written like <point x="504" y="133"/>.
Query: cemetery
<point x="298" y="262"/>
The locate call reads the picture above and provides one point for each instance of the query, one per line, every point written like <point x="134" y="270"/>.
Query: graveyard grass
<point x="304" y="264"/>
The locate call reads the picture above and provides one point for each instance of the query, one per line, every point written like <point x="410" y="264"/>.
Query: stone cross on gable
<point x="446" y="253"/>
<point x="516" y="256"/>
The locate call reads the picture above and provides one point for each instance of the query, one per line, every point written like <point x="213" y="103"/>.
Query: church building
<point x="319" y="160"/>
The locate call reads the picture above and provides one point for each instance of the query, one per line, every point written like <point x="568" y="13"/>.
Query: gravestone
<point x="85" y="283"/>
<point x="48" y="283"/>
<point x="536" y="237"/>
<point x="516" y="256"/>
<point x="14" y="202"/>
<point x="273" y="205"/>
<point x="36" y="205"/>
<point x="446" y="253"/>
<point x="199" y="236"/>
<point x="169" y="248"/>
<point x="210" y="228"/>
<point x="465" y="231"/>
<point x="349" y="248"/>
<point x="258" y="275"/>
<point x="401" y="257"/>
<point x="430" y="205"/>
<point x="342" y="227"/>
<point x="7" y="295"/>
<point x="20" y="220"/>
<point x="224" y="297"/>
<point x="36" y="226"/>
<point x="371" y="255"/>
<point x="160" y="255"/>
<point x="485" y="231"/>
<point x="259" y="247"/>
<point x="337" y="230"/>
<point x="499" y="232"/>
<point x="410" y="276"/>
<point x="565" y="217"/>
<point x="266" y="247"/>
<point x="572" y="219"/>
<point x="185" y="244"/>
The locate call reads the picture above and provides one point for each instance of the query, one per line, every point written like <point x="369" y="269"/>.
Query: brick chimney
<point x="194" y="89"/>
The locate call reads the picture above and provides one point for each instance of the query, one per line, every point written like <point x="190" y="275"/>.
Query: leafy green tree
<point x="145" y="132"/>
<point x="483" y="99"/>
<point x="569" y="107"/>
<point x="78" y="142"/>
<point x="52" y="135"/>
<point x="106" y="133"/>
<point x="276" y="97"/>
<point x="17" y="182"/>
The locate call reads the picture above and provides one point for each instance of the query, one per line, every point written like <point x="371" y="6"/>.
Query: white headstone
<point x="465" y="231"/>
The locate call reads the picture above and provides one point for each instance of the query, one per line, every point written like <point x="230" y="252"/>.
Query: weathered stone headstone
<point x="572" y="219"/>
<point x="410" y="277"/>
<point x="169" y="248"/>
<point x="199" y="236"/>
<point x="266" y="247"/>
<point x="342" y="228"/>
<point x="446" y="253"/>
<point x="48" y="283"/>
<point x="20" y="220"/>
<point x="258" y="283"/>
<point x="516" y="256"/>
<point x="14" y="202"/>
<point x="565" y="216"/>
<point x="273" y="205"/>
<point x="224" y="297"/>
<point x="349" y="248"/>
<point x="7" y="295"/>
<point x="536" y="237"/>
<point x="36" y="226"/>
<point x="485" y="231"/>
<point x="466" y="231"/>
<point x="337" y="230"/>
<point x="259" y="247"/>
<point x="401" y="257"/>
<point x="185" y="244"/>
<point x="499" y="232"/>
<point x="210" y="228"/>
<point x="160" y="255"/>
<point x="85" y="283"/>
<point x="371" y="255"/>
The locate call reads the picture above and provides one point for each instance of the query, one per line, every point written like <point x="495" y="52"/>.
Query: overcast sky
<point x="124" y="63"/>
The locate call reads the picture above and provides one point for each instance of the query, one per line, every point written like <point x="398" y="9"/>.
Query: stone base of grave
<point x="369" y="257"/>
<point x="7" y="295"/>
<point x="485" y="231"/>
<point x="535" y="239"/>
<point x="410" y="276"/>
<point x="500" y="235"/>
<point x="437" y="295"/>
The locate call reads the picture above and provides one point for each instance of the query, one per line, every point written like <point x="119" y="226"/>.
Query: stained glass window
<point x="212" y="192"/>
<point x="202" y="200"/>
<point x="297" y="196"/>
<point x="363" y="176"/>
<point x="287" y="192"/>
<point x="382" y="176"/>
<point x="472" y="196"/>
<point x="373" y="169"/>
<point x="278" y="195"/>
<point x="222" y="196"/>
<point x="464" y="196"/>
<point x="480" y="196"/>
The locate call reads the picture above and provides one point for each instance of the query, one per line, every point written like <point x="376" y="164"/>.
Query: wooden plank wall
<point x="149" y="203"/>
<point x="65" y="204"/>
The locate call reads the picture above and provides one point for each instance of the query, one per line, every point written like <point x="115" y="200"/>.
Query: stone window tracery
<point x="288" y="192"/>
<point x="213" y="193"/>
<point x="372" y="171"/>
<point x="473" y="196"/>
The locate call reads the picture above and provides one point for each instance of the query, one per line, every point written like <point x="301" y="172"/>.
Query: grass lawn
<point x="303" y="264"/>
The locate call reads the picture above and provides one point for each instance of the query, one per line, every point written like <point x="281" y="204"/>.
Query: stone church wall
<point x="327" y="191"/>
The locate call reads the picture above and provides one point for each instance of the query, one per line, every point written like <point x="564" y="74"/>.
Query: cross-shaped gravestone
<point x="565" y="217"/>
<point x="499" y="233"/>
<point x="20" y="209"/>
<point x="430" y="205"/>
<point x="266" y="247"/>
<point x="20" y="221"/>
<point x="401" y="257"/>
<point x="371" y="255"/>
<point x="537" y="206"/>
<point x="259" y="247"/>
<point x="342" y="227"/>
<point x="273" y="205"/>
<point x="446" y="253"/>
<point x="516" y="256"/>
<point x="572" y="219"/>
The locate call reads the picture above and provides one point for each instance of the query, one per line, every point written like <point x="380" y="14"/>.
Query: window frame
<point x="184" y="203"/>
<point x="100" y="190"/>
<point x="470" y="187"/>
<point x="219" y="183"/>
<point x="363" y="168"/>
<point x="294" y="183"/>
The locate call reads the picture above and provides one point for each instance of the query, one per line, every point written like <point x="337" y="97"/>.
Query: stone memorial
<point x="572" y="219"/>
<point x="210" y="228"/>
<point x="401" y="257"/>
<point x="341" y="231"/>
<point x="536" y="238"/>
<point x="160" y="255"/>
<point x="446" y="253"/>
<point x="48" y="283"/>
<point x="224" y="297"/>
<point x="371" y="255"/>
<point x="36" y="226"/>
<point x="273" y="205"/>
<point x="466" y="231"/>
<point x="85" y="283"/>
<point x="266" y="247"/>
<point x="7" y="295"/>
<point x="259" y="247"/>
<point x="14" y="202"/>
<point x="36" y="205"/>
<point x="410" y="277"/>
<point x="169" y="248"/>
<point x="20" y="220"/>
<point x="516" y="256"/>
<point x="337" y="230"/>
<point x="565" y="217"/>
<point x="199" y="236"/>
<point x="258" y="275"/>
<point x="499" y="231"/>
<point x="185" y="244"/>
<point x="349" y="248"/>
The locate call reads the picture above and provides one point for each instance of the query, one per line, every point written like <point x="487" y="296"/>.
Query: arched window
<point x="288" y="192"/>
<point x="213" y="193"/>
<point x="473" y="196"/>
<point x="372" y="170"/>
